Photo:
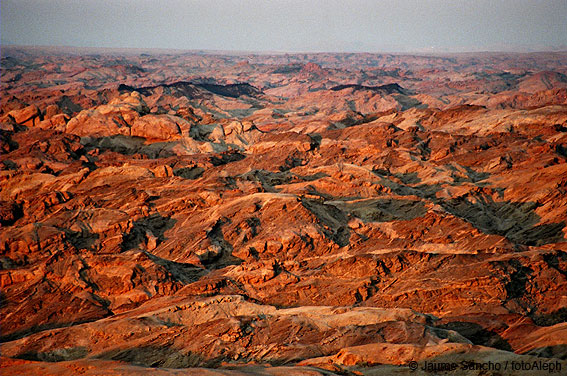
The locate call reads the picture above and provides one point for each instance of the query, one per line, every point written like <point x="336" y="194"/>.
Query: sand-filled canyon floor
<point x="194" y="213"/>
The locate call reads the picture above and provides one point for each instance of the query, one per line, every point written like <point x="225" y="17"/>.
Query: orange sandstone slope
<point x="267" y="214"/>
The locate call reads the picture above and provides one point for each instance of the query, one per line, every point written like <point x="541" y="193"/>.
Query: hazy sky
<point x="285" y="25"/>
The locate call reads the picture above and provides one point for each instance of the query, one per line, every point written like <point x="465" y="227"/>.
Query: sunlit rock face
<point x="308" y="214"/>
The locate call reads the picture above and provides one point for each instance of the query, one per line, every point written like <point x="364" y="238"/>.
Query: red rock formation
<point x="374" y="218"/>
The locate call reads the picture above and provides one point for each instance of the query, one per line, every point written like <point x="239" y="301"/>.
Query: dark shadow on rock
<point x="128" y="145"/>
<point x="144" y="228"/>
<point x="555" y="352"/>
<point x="226" y="157"/>
<point x="232" y="90"/>
<point x="541" y="234"/>
<point x="223" y="249"/>
<point x="316" y="139"/>
<point x="125" y="145"/>
<point x="229" y="182"/>
<point x="81" y="239"/>
<point x="7" y="144"/>
<point x="288" y="68"/>
<point x="516" y="287"/>
<point x="311" y="190"/>
<point x="189" y="172"/>
<point x="408" y="177"/>
<point x="10" y="165"/>
<point x="192" y="89"/>
<point x="561" y="150"/>
<point x="384" y="210"/>
<point x="553" y="260"/>
<point x="477" y="334"/>
<point x="550" y="319"/>
<point x="201" y="132"/>
<point x="10" y="212"/>
<point x="57" y="355"/>
<point x="176" y="89"/>
<point x="155" y="356"/>
<point x="514" y="220"/>
<point x="476" y="176"/>
<point x="424" y="190"/>
<point x="268" y="179"/>
<point x="68" y="106"/>
<point x="330" y="219"/>
<point x="48" y="326"/>
<point x="181" y="272"/>
<point x="408" y="102"/>
<point x="402" y="189"/>
<point x="393" y="88"/>
<point x="293" y="160"/>
<point x="254" y="224"/>
<point x="470" y="175"/>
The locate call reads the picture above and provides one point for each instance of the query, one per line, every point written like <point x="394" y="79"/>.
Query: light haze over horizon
<point x="289" y="25"/>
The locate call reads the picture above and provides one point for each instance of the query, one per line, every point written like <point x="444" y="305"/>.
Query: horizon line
<point x="424" y="51"/>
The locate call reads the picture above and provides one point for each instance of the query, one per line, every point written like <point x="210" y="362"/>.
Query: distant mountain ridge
<point x="230" y="90"/>
<point x="393" y="88"/>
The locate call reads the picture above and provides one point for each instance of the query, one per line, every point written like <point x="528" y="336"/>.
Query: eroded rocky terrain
<point x="308" y="214"/>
